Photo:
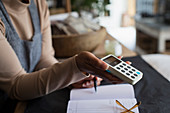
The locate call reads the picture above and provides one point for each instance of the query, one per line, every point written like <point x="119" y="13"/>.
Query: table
<point x="156" y="30"/>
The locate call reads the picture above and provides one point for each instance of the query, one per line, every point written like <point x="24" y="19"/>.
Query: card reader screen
<point x="112" y="61"/>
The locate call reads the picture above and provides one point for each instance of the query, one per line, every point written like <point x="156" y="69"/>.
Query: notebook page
<point x="103" y="92"/>
<point x="100" y="106"/>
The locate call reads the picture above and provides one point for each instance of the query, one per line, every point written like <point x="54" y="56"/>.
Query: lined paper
<point x="100" y="106"/>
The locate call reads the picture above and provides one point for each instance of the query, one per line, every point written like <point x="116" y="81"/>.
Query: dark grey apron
<point x="28" y="52"/>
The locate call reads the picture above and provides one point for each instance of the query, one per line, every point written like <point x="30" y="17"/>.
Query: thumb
<point x="102" y="65"/>
<point x="98" y="63"/>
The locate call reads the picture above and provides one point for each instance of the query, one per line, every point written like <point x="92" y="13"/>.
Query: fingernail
<point x="107" y="67"/>
<point x="84" y="85"/>
<point x="87" y="84"/>
<point x="104" y="65"/>
<point x="91" y="82"/>
<point x="120" y="57"/>
<point x="129" y="62"/>
<point x="100" y="79"/>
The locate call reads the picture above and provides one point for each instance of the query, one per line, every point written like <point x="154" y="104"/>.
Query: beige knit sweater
<point x="50" y="75"/>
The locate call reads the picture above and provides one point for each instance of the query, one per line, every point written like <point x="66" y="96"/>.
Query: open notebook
<point x="102" y="101"/>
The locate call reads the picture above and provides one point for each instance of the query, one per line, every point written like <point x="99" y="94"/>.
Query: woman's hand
<point x="89" y="63"/>
<point x="87" y="83"/>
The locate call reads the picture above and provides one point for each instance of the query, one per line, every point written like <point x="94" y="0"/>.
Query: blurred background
<point x="142" y="26"/>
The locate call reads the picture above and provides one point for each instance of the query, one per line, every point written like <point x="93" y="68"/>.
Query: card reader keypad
<point x="122" y="70"/>
<point x="128" y="70"/>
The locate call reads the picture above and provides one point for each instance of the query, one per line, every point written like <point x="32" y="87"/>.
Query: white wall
<point x="126" y="35"/>
<point x="116" y="8"/>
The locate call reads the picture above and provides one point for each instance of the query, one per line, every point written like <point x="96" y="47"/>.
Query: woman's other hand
<point x="87" y="83"/>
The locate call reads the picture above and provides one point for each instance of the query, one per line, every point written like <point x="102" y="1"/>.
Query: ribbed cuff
<point x="77" y="69"/>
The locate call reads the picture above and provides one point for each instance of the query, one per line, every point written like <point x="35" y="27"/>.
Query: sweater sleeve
<point x="23" y="86"/>
<point x="47" y="55"/>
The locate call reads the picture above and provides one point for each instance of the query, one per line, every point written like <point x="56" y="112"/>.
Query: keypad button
<point x="133" y="70"/>
<point x="130" y="72"/>
<point x="127" y="73"/>
<point x="136" y="75"/>
<point x="121" y="66"/>
<point x="118" y="68"/>
<point x="128" y="67"/>
<point x="124" y="64"/>
<point x="123" y="71"/>
<point x="132" y="77"/>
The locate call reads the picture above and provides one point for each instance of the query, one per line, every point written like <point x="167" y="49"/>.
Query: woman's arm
<point x="21" y="85"/>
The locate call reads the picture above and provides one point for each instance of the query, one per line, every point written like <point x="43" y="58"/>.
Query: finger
<point x="98" y="83"/>
<point x="120" y="57"/>
<point x="110" y="77"/>
<point x="84" y="85"/>
<point x="94" y="61"/>
<point x="105" y="75"/>
<point x="128" y="62"/>
<point x="88" y="84"/>
<point x="89" y="78"/>
<point x="99" y="64"/>
<point x="76" y="85"/>
<point x="98" y="72"/>
<point x="85" y="59"/>
<point x="92" y="76"/>
<point x="99" y="79"/>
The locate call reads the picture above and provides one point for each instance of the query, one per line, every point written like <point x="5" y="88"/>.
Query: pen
<point x="95" y="83"/>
